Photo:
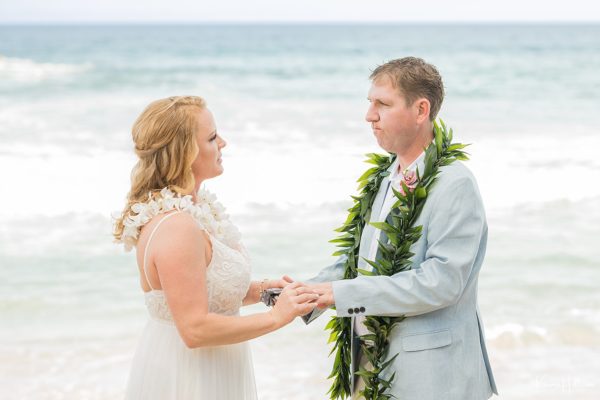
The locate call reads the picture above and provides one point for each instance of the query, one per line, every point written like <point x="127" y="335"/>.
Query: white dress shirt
<point x="390" y="199"/>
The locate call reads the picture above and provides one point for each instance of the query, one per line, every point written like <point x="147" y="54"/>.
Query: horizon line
<point x="294" y="22"/>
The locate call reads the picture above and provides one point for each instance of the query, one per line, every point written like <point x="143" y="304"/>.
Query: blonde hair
<point x="165" y="142"/>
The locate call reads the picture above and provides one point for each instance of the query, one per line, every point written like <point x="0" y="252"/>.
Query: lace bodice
<point x="227" y="282"/>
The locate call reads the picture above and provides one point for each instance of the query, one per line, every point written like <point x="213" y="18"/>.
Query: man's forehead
<point x="383" y="87"/>
<point x="384" y="79"/>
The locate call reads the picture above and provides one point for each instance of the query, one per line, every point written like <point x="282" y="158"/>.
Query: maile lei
<point x="395" y="257"/>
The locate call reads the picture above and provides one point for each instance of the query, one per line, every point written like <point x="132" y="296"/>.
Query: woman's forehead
<point x="206" y="121"/>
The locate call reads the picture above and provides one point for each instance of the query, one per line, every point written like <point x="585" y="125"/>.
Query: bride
<point x="194" y="270"/>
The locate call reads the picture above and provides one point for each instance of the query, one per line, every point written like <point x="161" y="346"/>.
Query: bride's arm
<point x="253" y="294"/>
<point x="181" y="255"/>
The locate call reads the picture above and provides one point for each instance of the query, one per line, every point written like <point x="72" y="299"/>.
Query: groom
<point x="440" y="345"/>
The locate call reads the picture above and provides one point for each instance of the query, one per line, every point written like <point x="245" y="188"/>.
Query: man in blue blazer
<point x="440" y="345"/>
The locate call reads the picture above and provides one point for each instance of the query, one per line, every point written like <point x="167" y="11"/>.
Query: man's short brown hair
<point x="414" y="78"/>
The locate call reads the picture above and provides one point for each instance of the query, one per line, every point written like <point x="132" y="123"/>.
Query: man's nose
<point x="371" y="115"/>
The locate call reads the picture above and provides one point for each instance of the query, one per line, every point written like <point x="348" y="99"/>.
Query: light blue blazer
<point x="441" y="345"/>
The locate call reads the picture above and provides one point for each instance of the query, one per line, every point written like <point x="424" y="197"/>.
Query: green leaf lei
<point x="395" y="257"/>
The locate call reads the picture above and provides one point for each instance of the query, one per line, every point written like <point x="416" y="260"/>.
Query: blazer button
<point x="356" y="310"/>
<point x="350" y="311"/>
<point x="362" y="309"/>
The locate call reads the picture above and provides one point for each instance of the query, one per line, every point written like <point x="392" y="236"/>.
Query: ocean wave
<point x="26" y="70"/>
<point x="514" y="335"/>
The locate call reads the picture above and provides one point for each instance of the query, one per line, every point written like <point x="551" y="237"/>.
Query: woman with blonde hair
<point x="194" y="270"/>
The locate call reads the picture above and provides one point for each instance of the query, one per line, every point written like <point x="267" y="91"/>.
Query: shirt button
<point x="362" y="309"/>
<point x="350" y="311"/>
<point x="356" y="310"/>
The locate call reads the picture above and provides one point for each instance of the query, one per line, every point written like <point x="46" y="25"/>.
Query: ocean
<point x="290" y="100"/>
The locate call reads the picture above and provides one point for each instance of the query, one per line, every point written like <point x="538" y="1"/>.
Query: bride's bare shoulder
<point x="177" y="231"/>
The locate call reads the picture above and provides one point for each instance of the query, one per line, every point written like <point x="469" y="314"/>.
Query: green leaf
<point x="365" y="272"/>
<point x="401" y="197"/>
<point x="372" y="263"/>
<point x="457" y="146"/>
<point x="367" y="174"/>
<point x="351" y="217"/>
<point x="430" y="159"/>
<point x="332" y="323"/>
<point x="384" y="226"/>
<point x="344" y="228"/>
<point x="438" y="140"/>
<point x="332" y="337"/>
<point x="421" y="192"/>
<point x="345" y="236"/>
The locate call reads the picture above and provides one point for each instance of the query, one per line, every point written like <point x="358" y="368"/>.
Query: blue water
<point x="290" y="100"/>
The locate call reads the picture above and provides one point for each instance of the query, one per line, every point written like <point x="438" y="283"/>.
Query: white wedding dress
<point x="163" y="367"/>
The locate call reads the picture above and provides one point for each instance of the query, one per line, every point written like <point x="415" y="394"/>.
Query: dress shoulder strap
<point x="148" y="245"/>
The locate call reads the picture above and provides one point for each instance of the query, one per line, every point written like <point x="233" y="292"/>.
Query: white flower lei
<point x="207" y="211"/>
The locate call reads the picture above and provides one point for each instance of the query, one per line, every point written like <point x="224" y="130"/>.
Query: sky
<point x="140" y="11"/>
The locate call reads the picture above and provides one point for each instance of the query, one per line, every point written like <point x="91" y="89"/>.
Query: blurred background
<point x="288" y="86"/>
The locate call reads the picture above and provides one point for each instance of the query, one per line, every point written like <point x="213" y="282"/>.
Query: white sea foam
<point x="96" y="180"/>
<point x="26" y="70"/>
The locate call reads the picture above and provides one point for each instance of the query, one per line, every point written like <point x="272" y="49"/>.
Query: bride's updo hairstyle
<point x="165" y="143"/>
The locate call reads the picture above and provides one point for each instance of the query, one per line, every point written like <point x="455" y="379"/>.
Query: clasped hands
<point x="319" y="293"/>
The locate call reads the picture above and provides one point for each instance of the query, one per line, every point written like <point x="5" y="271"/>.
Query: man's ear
<point x="423" y="109"/>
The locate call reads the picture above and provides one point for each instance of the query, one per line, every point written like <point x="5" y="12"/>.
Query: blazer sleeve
<point x="456" y="230"/>
<point x="331" y="273"/>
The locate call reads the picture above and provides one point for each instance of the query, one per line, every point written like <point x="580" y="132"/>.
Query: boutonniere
<point x="409" y="181"/>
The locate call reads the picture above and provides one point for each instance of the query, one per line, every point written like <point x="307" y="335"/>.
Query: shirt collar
<point x="395" y="175"/>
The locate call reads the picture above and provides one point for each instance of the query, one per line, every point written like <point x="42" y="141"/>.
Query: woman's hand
<point x="278" y="283"/>
<point x="295" y="300"/>
<point x="257" y="287"/>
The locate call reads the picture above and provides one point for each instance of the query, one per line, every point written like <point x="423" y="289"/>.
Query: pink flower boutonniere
<point x="410" y="180"/>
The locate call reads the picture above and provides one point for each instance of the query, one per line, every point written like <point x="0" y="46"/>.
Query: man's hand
<point x="279" y="283"/>
<point x="325" y="292"/>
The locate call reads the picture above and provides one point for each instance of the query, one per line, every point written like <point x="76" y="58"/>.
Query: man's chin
<point x="384" y="147"/>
